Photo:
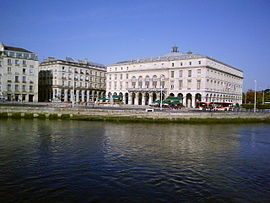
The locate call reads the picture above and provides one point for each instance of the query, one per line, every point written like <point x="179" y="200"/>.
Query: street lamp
<point x="161" y="98"/>
<point x="255" y="96"/>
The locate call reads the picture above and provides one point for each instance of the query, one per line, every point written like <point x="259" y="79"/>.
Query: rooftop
<point x="16" y="49"/>
<point x="69" y="60"/>
<point x="174" y="55"/>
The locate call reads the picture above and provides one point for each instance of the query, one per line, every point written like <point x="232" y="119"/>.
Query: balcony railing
<point x="147" y="89"/>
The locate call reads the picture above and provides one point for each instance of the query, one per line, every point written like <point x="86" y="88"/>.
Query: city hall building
<point x="18" y="74"/>
<point x="192" y="77"/>
<point x="69" y="80"/>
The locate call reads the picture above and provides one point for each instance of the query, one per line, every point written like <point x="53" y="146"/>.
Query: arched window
<point x="140" y="81"/>
<point x="154" y="81"/>
<point x="147" y="81"/>
<point x="162" y="81"/>
<point x="133" y="82"/>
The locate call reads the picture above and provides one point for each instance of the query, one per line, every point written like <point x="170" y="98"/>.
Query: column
<point x="65" y="95"/>
<point x="93" y="95"/>
<point x="150" y="98"/>
<point x="143" y="99"/>
<point x="136" y="98"/>
<point x="130" y="98"/>
<point x="83" y="92"/>
<point x="193" y="101"/>
<point x="87" y="95"/>
<point x="72" y="99"/>
<point x="77" y="95"/>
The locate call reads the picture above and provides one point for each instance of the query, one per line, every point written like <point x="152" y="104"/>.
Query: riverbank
<point x="132" y="115"/>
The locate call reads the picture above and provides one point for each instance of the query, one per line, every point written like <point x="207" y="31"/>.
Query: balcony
<point x="147" y="89"/>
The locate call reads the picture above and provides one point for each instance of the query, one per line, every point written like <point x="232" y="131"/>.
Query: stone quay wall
<point x="131" y="115"/>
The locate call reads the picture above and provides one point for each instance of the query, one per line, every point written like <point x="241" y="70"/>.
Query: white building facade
<point x="71" y="81"/>
<point x="192" y="77"/>
<point x="18" y="74"/>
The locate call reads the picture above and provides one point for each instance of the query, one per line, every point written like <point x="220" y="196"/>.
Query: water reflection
<point x="93" y="161"/>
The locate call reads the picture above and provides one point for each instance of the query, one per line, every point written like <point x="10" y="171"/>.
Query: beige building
<point x="18" y="74"/>
<point x="69" y="80"/>
<point x="192" y="77"/>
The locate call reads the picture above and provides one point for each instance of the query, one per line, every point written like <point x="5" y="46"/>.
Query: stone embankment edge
<point x="131" y="115"/>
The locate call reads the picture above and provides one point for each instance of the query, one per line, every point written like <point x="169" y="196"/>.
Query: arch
<point x="154" y="96"/>
<point x="181" y="96"/>
<point x="206" y="98"/>
<point x="171" y="95"/>
<point x="114" y="94"/>
<point x="121" y="96"/>
<point x="188" y="100"/>
<point x="126" y="98"/>
<point x="198" y="97"/>
<point x="133" y="98"/>
<point x="140" y="98"/>
<point x="146" y="98"/>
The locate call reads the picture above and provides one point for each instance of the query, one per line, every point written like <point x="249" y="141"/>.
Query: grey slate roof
<point x="16" y="49"/>
<point x="168" y="57"/>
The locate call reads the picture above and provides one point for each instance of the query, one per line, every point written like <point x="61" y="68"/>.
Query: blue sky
<point x="236" y="32"/>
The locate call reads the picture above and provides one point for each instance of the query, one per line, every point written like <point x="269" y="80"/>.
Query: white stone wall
<point x="19" y="78"/>
<point x="215" y="78"/>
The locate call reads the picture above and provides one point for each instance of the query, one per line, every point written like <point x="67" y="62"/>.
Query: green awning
<point x="176" y="102"/>
<point x="174" y="98"/>
<point x="157" y="102"/>
<point x="166" y="101"/>
<point x="103" y="99"/>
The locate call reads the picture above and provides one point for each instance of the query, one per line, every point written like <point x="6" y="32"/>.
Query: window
<point x="121" y="76"/>
<point x="140" y="82"/>
<point x="24" y="62"/>
<point x="16" y="78"/>
<point x="172" y="85"/>
<point x="172" y="74"/>
<point x="126" y="84"/>
<point x="121" y="85"/>
<point x="189" y="84"/>
<point x="181" y="64"/>
<point x="24" y="70"/>
<point x="24" y="79"/>
<point x="9" y="70"/>
<point x="16" y="62"/>
<point x="8" y="87"/>
<point x="154" y="81"/>
<point x="115" y="77"/>
<point x="110" y="76"/>
<point x="126" y="76"/>
<point x="172" y="64"/>
<point x="23" y="88"/>
<point x="190" y="63"/>
<point x="180" y="73"/>
<point x="9" y="61"/>
<point x="198" y="84"/>
<point x="199" y="62"/>
<point x="198" y="71"/>
<point x="147" y="82"/>
<point x="115" y="85"/>
<point x="189" y="73"/>
<point x="110" y="85"/>
<point x="162" y="81"/>
<point x="16" y="87"/>
<point x="180" y="84"/>
<point x="31" y="88"/>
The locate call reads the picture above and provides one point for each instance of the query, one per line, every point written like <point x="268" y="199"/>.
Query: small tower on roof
<point x="175" y="49"/>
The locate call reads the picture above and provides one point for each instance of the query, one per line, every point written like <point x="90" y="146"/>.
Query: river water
<point x="80" y="161"/>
